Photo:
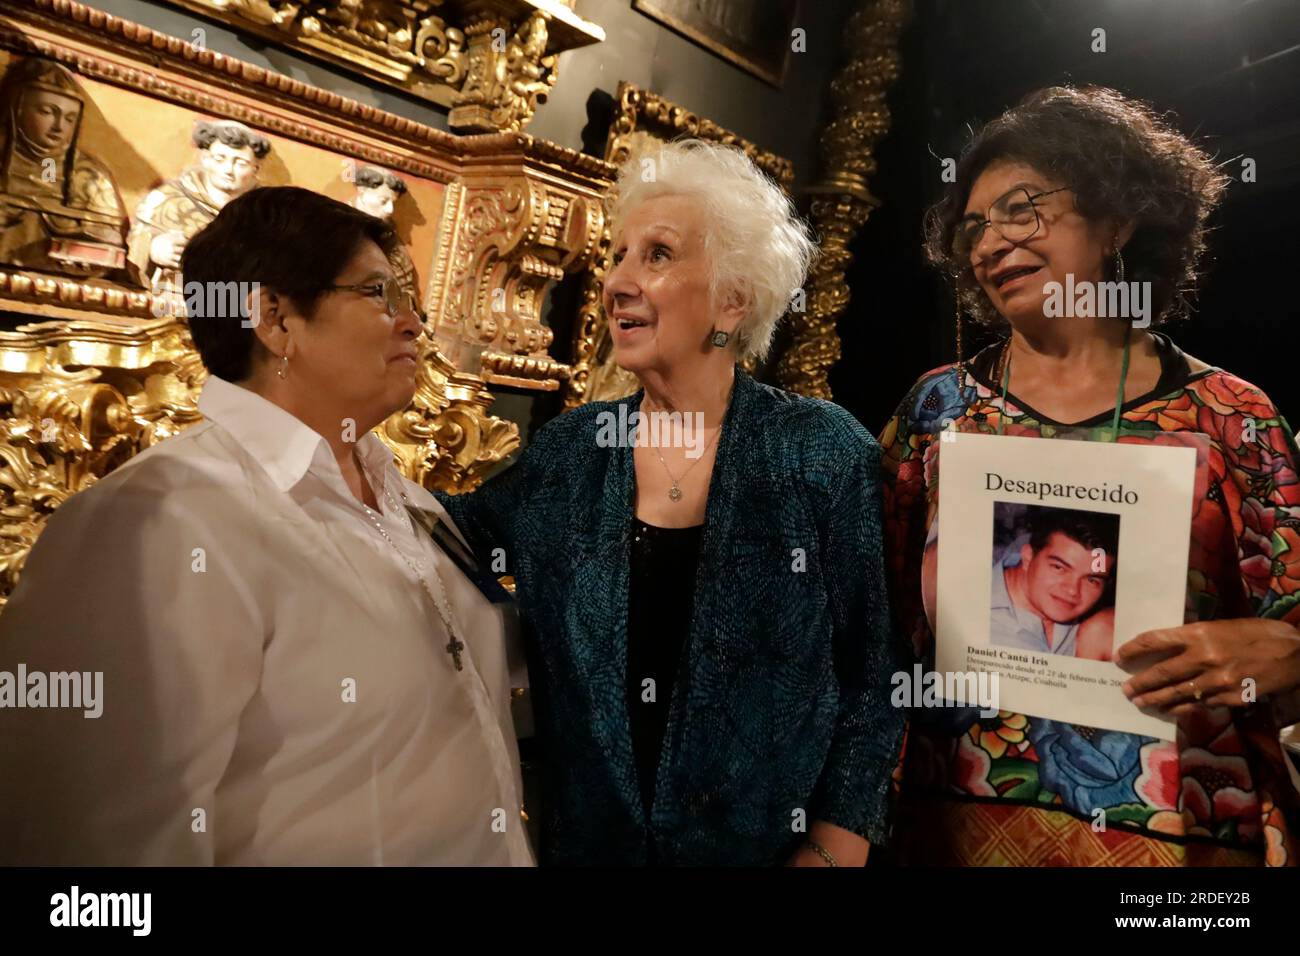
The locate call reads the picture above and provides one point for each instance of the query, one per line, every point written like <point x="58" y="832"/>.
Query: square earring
<point x="720" y="338"/>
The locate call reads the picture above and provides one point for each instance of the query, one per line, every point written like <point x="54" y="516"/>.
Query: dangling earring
<point x="283" y="370"/>
<point x="1119" y="266"/>
<point x="720" y="339"/>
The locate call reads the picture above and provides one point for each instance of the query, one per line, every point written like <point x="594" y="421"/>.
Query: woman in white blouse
<point x="292" y="671"/>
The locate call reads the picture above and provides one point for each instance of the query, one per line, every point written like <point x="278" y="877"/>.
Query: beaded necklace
<point x="438" y="596"/>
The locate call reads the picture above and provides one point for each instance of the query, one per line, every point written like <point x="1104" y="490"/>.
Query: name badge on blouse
<point x="460" y="556"/>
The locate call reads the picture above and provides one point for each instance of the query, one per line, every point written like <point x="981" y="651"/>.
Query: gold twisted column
<point x="840" y="200"/>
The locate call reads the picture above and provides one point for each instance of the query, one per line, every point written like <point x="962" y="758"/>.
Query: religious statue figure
<point x="60" y="210"/>
<point x="229" y="157"/>
<point x="377" y="193"/>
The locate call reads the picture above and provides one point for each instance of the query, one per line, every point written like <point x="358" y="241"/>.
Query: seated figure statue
<point x="60" y="210"/>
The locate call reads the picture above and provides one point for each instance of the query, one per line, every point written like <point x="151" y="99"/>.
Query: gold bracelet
<point x="821" y="851"/>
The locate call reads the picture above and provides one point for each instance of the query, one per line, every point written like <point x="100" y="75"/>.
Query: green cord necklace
<point x="1119" y="394"/>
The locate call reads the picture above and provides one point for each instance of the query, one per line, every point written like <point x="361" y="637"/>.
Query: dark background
<point x="1230" y="71"/>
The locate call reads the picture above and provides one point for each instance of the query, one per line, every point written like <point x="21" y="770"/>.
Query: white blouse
<point x="276" y="684"/>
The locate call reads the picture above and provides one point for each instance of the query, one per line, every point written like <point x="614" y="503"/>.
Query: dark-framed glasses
<point x="389" y="289"/>
<point x="1014" y="216"/>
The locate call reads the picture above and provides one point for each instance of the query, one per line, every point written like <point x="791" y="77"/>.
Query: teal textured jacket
<point x="781" y="712"/>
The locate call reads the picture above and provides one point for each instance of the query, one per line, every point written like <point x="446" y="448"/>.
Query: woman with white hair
<point x="699" y="565"/>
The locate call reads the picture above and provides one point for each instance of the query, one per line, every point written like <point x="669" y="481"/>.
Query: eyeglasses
<point x="1014" y="217"/>
<point x="394" y="296"/>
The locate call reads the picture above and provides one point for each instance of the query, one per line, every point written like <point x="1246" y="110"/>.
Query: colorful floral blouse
<point x="1022" y="790"/>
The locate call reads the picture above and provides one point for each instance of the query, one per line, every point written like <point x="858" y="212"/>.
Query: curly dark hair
<point x="1121" y="160"/>
<point x="371" y="177"/>
<point x="234" y="135"/>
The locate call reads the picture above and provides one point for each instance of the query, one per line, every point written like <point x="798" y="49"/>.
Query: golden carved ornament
<point x="516" y="235"/>
<point x="78" y="399"/>
<point x="640" y="117"/>
<point x="840" y="200"/>
<point x="490" y="61"/>
<point x="35" y="288"/>
<point x="445" y="438"/>
<point x="102" y="372"/>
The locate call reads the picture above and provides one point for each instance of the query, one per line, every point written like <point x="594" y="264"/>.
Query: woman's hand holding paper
<point x="1230" y="663"/>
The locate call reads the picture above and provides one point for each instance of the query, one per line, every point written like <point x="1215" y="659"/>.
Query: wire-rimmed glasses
<point x="1014" y="216"/>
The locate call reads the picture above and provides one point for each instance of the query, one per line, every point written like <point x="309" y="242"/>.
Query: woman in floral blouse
<point x="1088" y="184"/>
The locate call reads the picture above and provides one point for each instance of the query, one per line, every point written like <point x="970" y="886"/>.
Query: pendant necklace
<point x="675" y="492"/>
<point x="1116" y="419"/>
<point x="439" y="599"/>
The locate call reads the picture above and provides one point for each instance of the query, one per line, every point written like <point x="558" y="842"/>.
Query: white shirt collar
<point x="285" y="446"/>
<point x="282" y="444"/>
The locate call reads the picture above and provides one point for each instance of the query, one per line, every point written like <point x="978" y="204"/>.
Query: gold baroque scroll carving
<point x="640" y="117"/>
<point x="96" y="367"/>
<point x="516" y="235"/>
<point x="78" y="399"/>
<point x="491" y="61"/>
<point x="840" y="200"/>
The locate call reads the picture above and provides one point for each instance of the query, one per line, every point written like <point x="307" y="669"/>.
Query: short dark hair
<point x="1092" y="529"/>
<point x="234" y="135"/>
<point x="291" y="240"/>
<point x="1121" y="160"/>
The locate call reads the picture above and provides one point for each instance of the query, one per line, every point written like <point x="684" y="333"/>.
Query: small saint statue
<point x="229" y="158"/>
<point x="378" y="191"/>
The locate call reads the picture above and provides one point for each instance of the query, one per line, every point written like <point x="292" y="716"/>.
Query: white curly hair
<point x="758" y="246"/>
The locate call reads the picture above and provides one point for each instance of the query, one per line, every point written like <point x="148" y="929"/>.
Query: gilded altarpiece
<point x="118" y="141"/>
<point x="491" y="62"/>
